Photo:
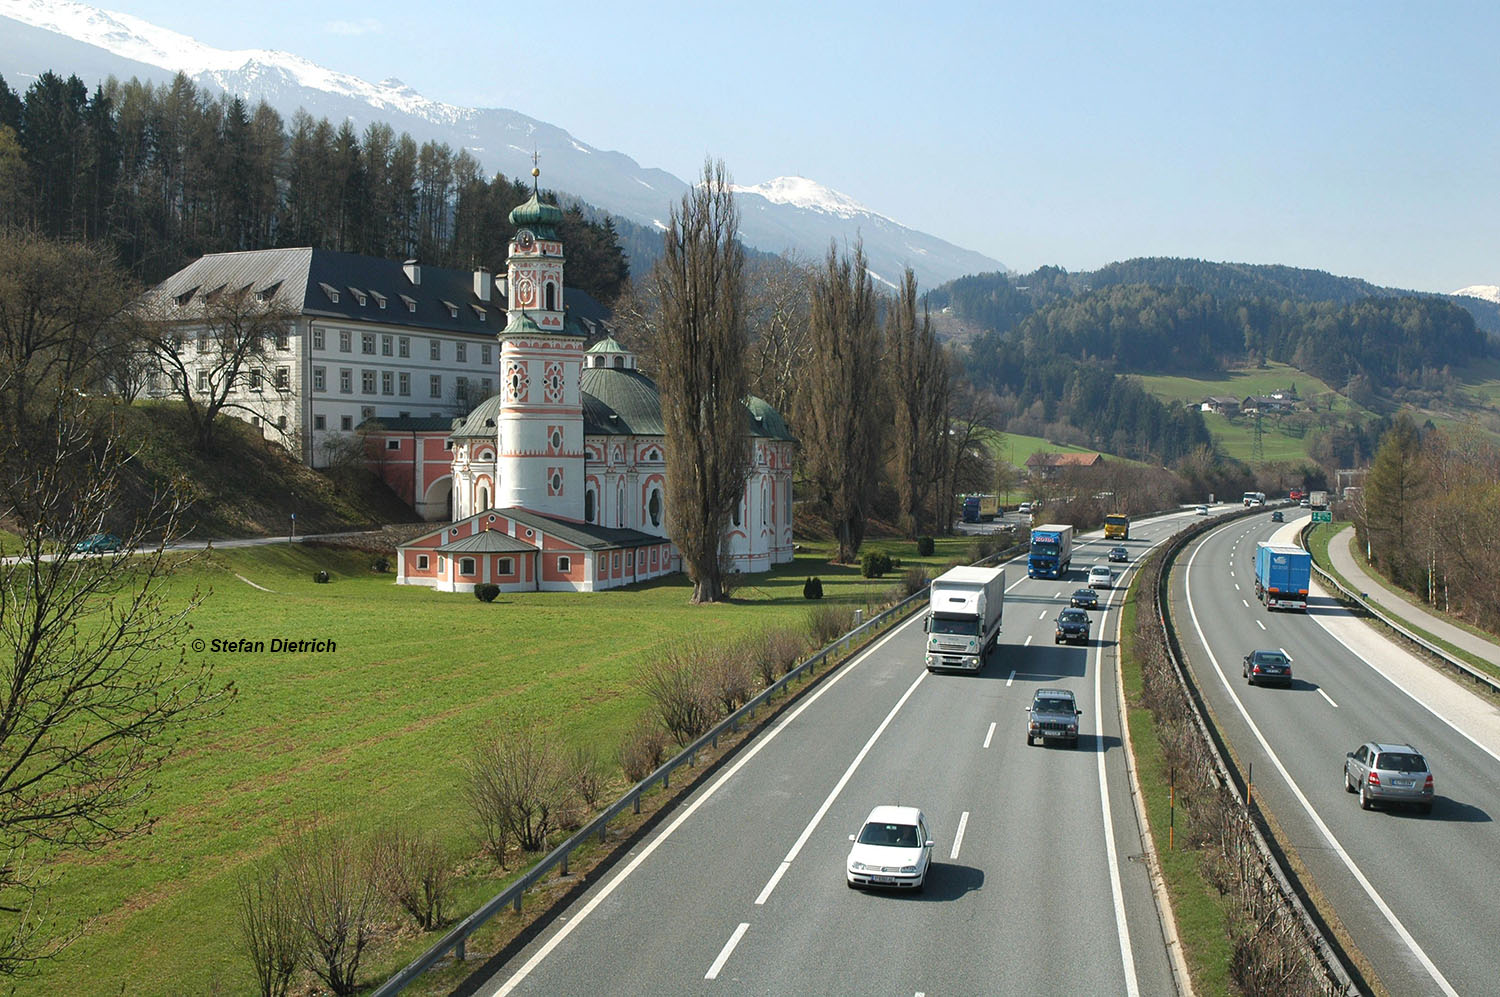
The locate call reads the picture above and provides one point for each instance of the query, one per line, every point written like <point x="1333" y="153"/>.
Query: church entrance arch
<point x="437" y="503"/>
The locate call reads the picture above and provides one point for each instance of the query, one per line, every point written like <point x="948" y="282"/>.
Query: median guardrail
<point x="1358" y="599"/>
<point x="456" y="938"/>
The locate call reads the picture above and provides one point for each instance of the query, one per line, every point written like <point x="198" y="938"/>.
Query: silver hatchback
<point x="1388" y="773"/>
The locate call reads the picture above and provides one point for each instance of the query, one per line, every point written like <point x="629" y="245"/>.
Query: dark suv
<point x="1053" y="715"/>
<point x="1388" y="773"/>
<point x="1072" y="626"/>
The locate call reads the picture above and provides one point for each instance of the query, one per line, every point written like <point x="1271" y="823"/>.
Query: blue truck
<point x="1051" y="551"/>
<point x="1282" y="575"/>
<point x="971" y="509"/>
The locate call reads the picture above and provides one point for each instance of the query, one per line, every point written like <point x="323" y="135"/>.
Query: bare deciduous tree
<point x="842" y="444"/>
<point x="413" y="872"/>
<point x="270" y="928"/>
<point x="700" y="349"/>
<point x="337" y="903"/>
<point x="518" y="787"/>
<point x="920" y="388"/>
<point x="778" y="326"/>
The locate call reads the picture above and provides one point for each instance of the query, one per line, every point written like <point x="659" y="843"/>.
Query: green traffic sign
<point x="1322" y="516"/>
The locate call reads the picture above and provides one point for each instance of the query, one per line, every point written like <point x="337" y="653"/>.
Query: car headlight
<point x="908" y="870"/>
<point x="857" y="866"/>
<point x="1072" y="728"/>
<point x="1035" y="726"/>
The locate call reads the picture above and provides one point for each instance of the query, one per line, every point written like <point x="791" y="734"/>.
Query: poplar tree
<point x="920" y="390"/>
<point x="842" y="444"/>
<point x="700" y="347"/>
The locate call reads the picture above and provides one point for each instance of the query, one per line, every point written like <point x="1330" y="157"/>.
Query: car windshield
<point x="1072" y="616"/>
<point x="1269" y="658"/>
<point x="890" y="835"/>
<point x="1400" y="761"/>
<point x="1053" y="705"/>
<point x="1084" y="594"/>
<point x="959" y="628"/>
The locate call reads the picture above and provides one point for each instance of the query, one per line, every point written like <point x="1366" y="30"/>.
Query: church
<point x="558" y="481"/>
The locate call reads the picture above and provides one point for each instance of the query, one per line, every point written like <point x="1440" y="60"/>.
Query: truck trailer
<point x="963" y="617"/>
<point x="1051" y="551"/>
<point x="1282" y="575"/>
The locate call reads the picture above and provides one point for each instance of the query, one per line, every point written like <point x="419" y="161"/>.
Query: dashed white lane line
<point x="1320" y="693"/>
<point x="724" y="953"/>
<point x="1260" y="624"/>
<point x="990" y="736"/>
<point x="1028" y="641"/>
<point x="1247" y="605"/>
<point x="958" y="839"/>
<point x="1337" y="848"/>
<point x="1011" y="679"/>
<point x="1043" y="616"/>
<point x="1236" y="586"/>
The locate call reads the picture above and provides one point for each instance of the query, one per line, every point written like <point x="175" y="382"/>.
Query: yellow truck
<point x="1117" y="526"/>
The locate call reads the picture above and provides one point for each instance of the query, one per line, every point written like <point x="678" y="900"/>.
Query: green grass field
<point x="373" y="732"/>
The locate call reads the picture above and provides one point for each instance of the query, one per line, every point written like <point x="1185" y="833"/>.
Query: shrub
<point x="981" y="548"/>
<point x="913" y="580"/>
<point x="679" y="688"/>
<point x="270" y="928"/>
<point x="874" y="563"/>
<point x="784" y="647"/>
<point x="517" y="787"/>
<point x="321" y="578"/>
<point x="812" y="588"/>
<point x="413" y="873"/>
<point x="732" y="675"/>
<point x="829" y="622"/>
<point x="337" y="903"/>
<point x="486" y="591"/>
<point x="380" y="565"/>
<point x="587" y="774"/>
<point x="925" y="547"/>
<point x="644" y="748"/>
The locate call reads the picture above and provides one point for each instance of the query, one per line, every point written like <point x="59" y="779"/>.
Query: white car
<point x="894" y="848"/>
<point x="1203" y="510"/>
<point x="1100" y="577"/>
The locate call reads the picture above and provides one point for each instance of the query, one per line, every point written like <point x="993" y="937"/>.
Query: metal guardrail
<point x="1358" y="598"/>
<point x="1328" y="955"/>
<point x="457" y="937"/>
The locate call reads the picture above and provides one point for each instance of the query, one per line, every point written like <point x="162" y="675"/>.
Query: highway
<point x="1415" y="893"/>
<point x="1037" y="884"/>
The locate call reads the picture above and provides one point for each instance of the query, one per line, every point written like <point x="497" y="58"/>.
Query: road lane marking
<point x="734" y="939"/>
<point x="958" y="839"/>
<point x="1337" y="848"/>
<point x="1329" y="698"/>
<point x="1127" y="954"/>
<point x="1283" y="652"/>
<point x="1011" y="679"/>
<point x="1236" y="586"/>
<point x="1027" y="644"/>
<point x="991" y="733"/>
<point x="1260" y="624"/>
<point x="838" y="788"/>
<point x="760" y="743"/>
<point x="1247" y="605"/>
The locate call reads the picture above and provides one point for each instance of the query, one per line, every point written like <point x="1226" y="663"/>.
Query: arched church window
<point x="620" y="362"/>
<point x="620" y="504"/>
<point x="737" y="513"/>
<point x="588" y="506"/>
<point x="484" y="499"/>
<point x="551" y="292"/>
<point x="654" y="507"/>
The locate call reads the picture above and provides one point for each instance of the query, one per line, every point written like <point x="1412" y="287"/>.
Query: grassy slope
<point x="376" y="731"/>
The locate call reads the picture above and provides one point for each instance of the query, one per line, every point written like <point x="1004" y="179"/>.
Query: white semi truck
<point x="963" y="617"/>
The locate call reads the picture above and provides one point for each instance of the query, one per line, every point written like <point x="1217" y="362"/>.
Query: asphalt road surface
<point x="1037" y="884"/>
<point x="1416" y="893"/>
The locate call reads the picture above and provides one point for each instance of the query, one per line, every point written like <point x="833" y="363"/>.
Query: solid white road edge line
<point x="958" y="839"/>
<point x="645" y="853"/>
<point x="1127" y="954"/>
<point x="838" y="788"/>
<point x="734" y="939"/>
<point x="1338" y="849"/>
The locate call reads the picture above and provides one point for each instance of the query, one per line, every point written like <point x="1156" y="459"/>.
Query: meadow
<point x="373" y="732"/>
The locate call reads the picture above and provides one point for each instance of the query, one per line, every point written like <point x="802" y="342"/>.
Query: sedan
<point x="1267" y="666"/>
<point x="894" y="848"/>
<point x="1119" y="554"/>
<point x="1396" y="773"/>
<point x="99" y="543"/>
<point x="1084" y="599"/>
<point x="1277" y="517"/>
<point x="1072" y="626"/>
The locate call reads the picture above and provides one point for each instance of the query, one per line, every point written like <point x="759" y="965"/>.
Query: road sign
<point x="1322" y="516"/>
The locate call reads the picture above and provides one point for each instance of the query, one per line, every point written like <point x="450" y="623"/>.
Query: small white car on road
<point x="1100" y="577"/>
<point x="893" y="849"/>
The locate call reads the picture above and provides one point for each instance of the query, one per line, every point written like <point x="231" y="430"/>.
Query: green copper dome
<point x="539" y="216"/>
<point x="766" y="421"/>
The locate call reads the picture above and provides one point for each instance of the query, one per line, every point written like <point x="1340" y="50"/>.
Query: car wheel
<point x="1365" y="802"/>
<point x="1348" y="782"/>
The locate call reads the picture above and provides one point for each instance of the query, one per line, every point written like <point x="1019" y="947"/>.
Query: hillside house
<point x="1045" y="465"/>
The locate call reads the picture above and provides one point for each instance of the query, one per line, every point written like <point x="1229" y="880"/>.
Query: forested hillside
<point x="165" y="174"/>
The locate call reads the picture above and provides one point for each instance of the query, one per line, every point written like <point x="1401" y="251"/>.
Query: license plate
<point x="882" y="879"/>
<point x="1402" y="783"/>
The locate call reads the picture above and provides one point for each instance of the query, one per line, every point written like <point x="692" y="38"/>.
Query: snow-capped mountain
<point x="788" y="213"/>
<point x="1489" y="292"/>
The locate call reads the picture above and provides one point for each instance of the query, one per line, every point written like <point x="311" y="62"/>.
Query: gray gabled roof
<point x="585" y="535"/>
<point x="307" y="280"/>
<point x="488" y="542"/>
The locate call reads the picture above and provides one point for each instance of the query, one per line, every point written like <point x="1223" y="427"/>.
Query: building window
<point x="485" y="355"/>
<point x="387" y="383"/>
<point x="386" y="345"/>
<point x="421" y="562"/>
<point x="346" y="381"/>
<point x="505" y="566"/>
<point x="255" y="380"/>
<point x="367" y="412"/>
<point x="317" y="338"/>
<point x="435" y="385"/>
<point x="588" y="506"/>
<point x="344" y="340"/>
<point x="435" y="349"/>
<point x="393" y="444"/>
<point x="462" y="351"/>
<point x="283" y="339"/>
<point x="346" y="422"/>
<point x="486" y="388"/>
<point x="564" y="563"/>
<point x="202" y="340"/>
<point x="367" y="343"/>
<point x="320" y="422"/>
<point x="654" y="507"/>
<point x="367" y="385"/>
<point x="281" y="422"/>
<point x="283" y="378"/>
<point x="403" y="346"/>
<point x="403" y="384"/>
<point x="320" y="378"/>
<point x="466" y="566"/>
<point x="203" y="380"/>
<point x="461" y="390"/>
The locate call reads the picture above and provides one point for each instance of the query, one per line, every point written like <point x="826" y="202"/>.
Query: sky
<point x="1358" y="138"/>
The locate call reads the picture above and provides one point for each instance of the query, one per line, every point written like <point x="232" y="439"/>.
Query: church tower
<point x="540" y="425"/>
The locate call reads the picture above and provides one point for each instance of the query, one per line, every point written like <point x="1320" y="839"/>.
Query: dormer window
<point x="331" y="291"/>
<point x="452" y="308"/>
<point x="411" y="303"/>
<point x="186" y="296"/>
<point x="267" y="293"/>
<point x="358" y="295"/>
<point x="483" y="315"/>
<point x="379" y="299"/>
